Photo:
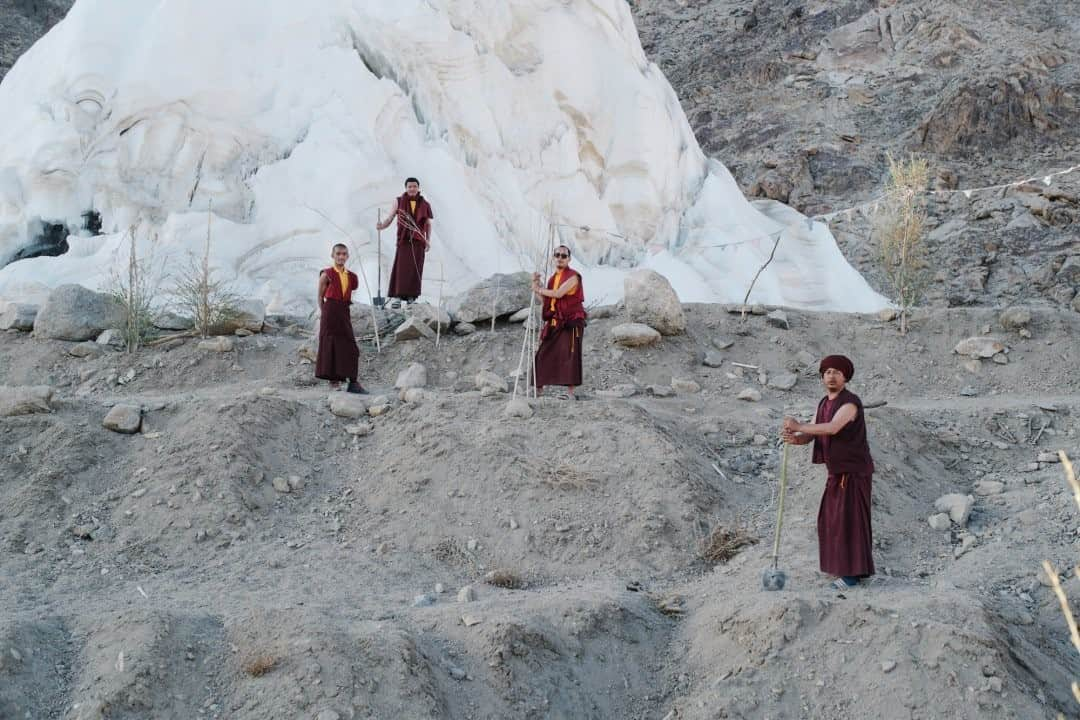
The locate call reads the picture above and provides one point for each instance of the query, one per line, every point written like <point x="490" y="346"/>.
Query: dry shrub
<point x="560" y="477"/>
<point x="259" y="665"/>
<point x="504" y="578"/>
<point x="135" y="291"/>
<point x="1055" y="581"/>
<point x="724" y="544"/>
<point x="200" y="294"/>
<point x="900" y="228"/>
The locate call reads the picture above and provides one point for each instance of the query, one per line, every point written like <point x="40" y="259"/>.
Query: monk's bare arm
<point x="843" y="417"/>
<point x="427" y="235"/>
<point x="564" y="289"/>
<point x="390" y="217"/>
<point x="324" y="282"/>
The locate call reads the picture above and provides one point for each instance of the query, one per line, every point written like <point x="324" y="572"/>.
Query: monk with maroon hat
<point x="413" y="214"/>
<point x="339" y="356"/>
<point x="558" y="359"/>
<point x="845" y="537"/>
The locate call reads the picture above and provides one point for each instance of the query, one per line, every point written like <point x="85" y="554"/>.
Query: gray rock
<point x="519" y="408"/>
<point x="72" y="312"/>
<point x="749" y="395"/>
<point x="348" y="405"/>
<point x="425" y="600"/>
<point x="464" y="328"/>
<point x="989" y="487"/>
<point x="806" y="359"/>
<point x="603" y="312"/>
<point x="957" y="506"/>
<point x="414" y="376"/>
<point x="360" y="429"/>
<point x="413" y="329"/>
<point x="940" y="521"/>
<point x="25" y="400"/>
<point x="777" y="319"/>
<point x="634" y="335"/>
<point x="250" y="315"/>
<point x="723" y="343"/>
<point x="1069" y="274"/>
<point x="219" y="344"/>
<point x="328" y="715"/>
<point x="488" y="379"/>
<point x="417" y="396"/>
<point x="173" y="322"/>
<point x="783" y="381"/>
<point x="111" y="338"/>
<point x="1015" y="318"/>
<point x="281" y="485"/>
<point x="712" y="359"/>
<point x="125" y="419"/>
<point x="434" y="318"/>
<point x="650" y="300"/>
<point x="1076" y="303"/>
<point x="979" y="347"/>
<point x="661" y="391"/>
<point x="86" y="349"/>
<point x="888" y="315"/>
<point x="685" y="386"/>
<point x="501" y="294"/>
<point x="17" y="316"/>
<point x="1048" y="457"/>
<point x="520" y="316"/>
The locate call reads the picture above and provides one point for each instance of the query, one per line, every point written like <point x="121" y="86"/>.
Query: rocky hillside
<point x="22" y="22"/>
<point x="802" y="100"/>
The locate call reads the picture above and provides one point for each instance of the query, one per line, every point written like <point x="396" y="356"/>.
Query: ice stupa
<point x="280" y="114"/>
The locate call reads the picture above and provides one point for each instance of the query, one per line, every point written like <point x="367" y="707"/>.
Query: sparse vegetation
<point x="725" y="543"/>
<point x="200" y="294"/>
<point x="259" y="665"/>
<point x="900" y="228"/>
<point x="135" y="291"/>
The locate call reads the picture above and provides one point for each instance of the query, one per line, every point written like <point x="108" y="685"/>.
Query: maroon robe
<point x="407" y="275"/>
<point x="845" y="535"/>
<point x="558" y="359"/>
<point x="339" y="357"/>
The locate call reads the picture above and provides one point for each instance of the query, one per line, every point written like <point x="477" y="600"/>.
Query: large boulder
<point x="414" y="376"/>
<point x="498" y="294"/>
<point x="979" y="347"/>
<point x="250" y="315"/>
<point x="72" y="312"/>
<point x="25" y="400"/>
<point x="650" y="300"/>
<point x="634" y="335"/>
<point x="413" y="329"/>
<point x="124" y="419"/>
<point x="17" y="316"/>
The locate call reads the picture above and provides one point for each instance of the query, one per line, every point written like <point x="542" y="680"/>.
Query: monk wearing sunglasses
<point x="558" y="360"/>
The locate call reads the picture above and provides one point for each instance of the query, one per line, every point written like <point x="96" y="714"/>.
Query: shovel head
<point x="773" y="579"/>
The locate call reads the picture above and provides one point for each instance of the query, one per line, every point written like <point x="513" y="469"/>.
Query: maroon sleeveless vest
<point x="405" y="232"/>
<point x="848" y="450"/>
<point x="570" y="308"/>
<point x="333" y="290"/>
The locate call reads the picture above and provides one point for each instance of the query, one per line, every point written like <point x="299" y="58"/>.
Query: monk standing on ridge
<point x="845" y="537"/>
<point x="414" y="215"/>
<point x="339" y="357"/>
<point x="558" y="359"/>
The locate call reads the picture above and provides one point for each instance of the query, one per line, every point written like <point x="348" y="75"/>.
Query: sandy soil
<point x="162" y="575"/>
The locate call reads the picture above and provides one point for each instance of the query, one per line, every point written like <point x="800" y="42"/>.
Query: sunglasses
<point x="562" y="255"/>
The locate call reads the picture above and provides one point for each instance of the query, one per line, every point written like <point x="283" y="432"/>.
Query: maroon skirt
<point x="558" y="360"/>
<point x="407" y="276"/>
<point x="845" y="537"/>
<point x="339" y="356"/>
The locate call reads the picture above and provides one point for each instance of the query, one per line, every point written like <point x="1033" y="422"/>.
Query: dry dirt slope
<point x="148" y="576"/>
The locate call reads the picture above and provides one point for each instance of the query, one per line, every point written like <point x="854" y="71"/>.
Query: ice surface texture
<point x="145" y="112"/>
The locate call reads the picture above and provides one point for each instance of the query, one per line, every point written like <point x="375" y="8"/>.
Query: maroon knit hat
<point x="837" y="362"/>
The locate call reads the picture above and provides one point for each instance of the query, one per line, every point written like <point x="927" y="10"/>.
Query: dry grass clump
<point x="505" y="579"/>
<point x="560" y="477"/>
<point x="725" y="543"/>
<point x="259" y="665"/>
<point x="900" y="227"/>
<point x="1055" y="581"/>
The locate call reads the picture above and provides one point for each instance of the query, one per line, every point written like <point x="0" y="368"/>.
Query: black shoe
<point x="356" y="388"/>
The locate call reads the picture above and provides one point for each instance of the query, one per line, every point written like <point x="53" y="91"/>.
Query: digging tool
<point x="378" y="301"/>
<point x="774" y="578"/>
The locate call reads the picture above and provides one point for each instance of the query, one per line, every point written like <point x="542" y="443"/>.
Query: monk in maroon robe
<point x="845" y="536"/>
<point x="558" y="359"/>
<point x="339" y="356"/>
<point x="414" y="215"/>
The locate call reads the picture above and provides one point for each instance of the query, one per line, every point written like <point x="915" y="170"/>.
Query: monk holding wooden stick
<point x="558" y="359"/>
<point x="339" y="357"/>
<point x="845" y="535"/>
<point x="414" y="215"/>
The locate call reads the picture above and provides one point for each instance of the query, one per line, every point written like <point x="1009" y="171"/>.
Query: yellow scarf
<point x="343" y="276"/>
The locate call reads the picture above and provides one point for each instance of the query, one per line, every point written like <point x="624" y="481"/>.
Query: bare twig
<point x="753" y="282"/>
